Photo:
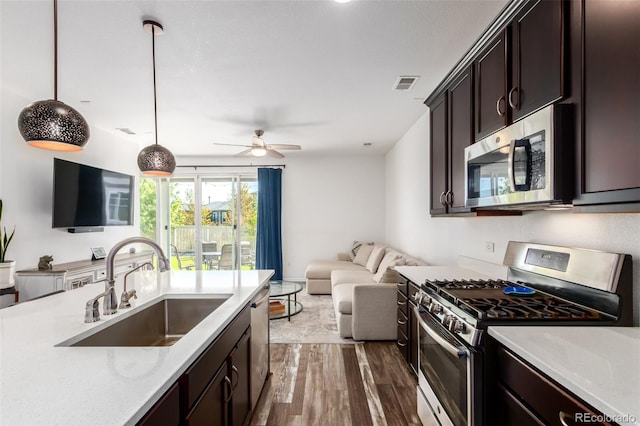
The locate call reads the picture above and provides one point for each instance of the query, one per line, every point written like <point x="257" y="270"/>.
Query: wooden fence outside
<point x="183" y="237"/>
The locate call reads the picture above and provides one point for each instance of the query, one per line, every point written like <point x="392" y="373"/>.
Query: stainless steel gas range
<point x="545" y="285"/>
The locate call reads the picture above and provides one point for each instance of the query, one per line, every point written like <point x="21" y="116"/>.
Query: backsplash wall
<point x="439" y="241"/>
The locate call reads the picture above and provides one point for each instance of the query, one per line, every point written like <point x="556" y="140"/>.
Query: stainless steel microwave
<point x="528" y="164"/>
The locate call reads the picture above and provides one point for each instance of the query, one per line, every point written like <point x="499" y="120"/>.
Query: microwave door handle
<point x="510" y="164"/>
<point x="460" y="352"/>
<point x="526" y="144"/>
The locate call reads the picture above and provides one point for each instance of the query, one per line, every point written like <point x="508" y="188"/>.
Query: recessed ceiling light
<point x="342" y="1"/>
<point x="125" y="130"/>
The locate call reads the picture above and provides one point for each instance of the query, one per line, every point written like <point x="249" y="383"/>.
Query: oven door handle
<point x="460" y="352"/>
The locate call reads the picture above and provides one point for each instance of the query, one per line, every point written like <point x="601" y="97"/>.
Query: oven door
<point x="448" y="373"/>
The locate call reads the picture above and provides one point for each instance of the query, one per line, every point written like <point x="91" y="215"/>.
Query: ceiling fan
<point x="259" y="149"/>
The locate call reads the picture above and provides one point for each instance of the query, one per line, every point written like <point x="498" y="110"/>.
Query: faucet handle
<point x="92" y="311"/>
<point x="126" y="297"/>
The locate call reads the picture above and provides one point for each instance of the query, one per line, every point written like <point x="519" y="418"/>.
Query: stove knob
<point x="435" y="308"/>
<point x="456" y="326"/>
<point x="418" y="297"/>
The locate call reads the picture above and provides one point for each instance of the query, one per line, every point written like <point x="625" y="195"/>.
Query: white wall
<point x="327" y="202"/>
<point x="26" y="186"/>
<point x="439" y="241"/>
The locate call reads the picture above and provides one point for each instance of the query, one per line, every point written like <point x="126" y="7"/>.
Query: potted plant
<point x="7" y="267"/>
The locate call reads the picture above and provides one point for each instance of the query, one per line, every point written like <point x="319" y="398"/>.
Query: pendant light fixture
<point x="155" y="160"/>
<point x="52" y="124"/>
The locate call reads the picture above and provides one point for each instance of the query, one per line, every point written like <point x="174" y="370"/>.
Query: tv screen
<point x="85" y="196"/>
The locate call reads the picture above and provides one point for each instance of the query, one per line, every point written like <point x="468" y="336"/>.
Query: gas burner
<point x="537" y="307"/>
<point x="467" y="284"/>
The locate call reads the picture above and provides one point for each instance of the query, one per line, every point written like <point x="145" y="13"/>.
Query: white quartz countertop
<point x="601" y="365"/>
<point x="45" y="384"/>
<point x="418" y="274"/>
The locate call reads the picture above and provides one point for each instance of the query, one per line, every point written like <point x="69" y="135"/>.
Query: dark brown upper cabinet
<point x="460" y="106"/>
<point x="607" y="79"/>
<point x="538" y="71"/>
<point x="522" y="68"/>
<point x="451" y="133"/>
<point x="491" y="87"/>
<point x="439" y="169"/>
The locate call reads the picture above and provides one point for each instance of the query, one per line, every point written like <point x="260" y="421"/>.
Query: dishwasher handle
<point x="263" y="299"/>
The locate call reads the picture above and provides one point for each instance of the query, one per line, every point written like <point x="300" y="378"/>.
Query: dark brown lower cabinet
<point x="211" y="408"/>
<point x="240" y="368"/>
<point x="407" y="324"/>
<point x="216" y="388"/>
<point x="519" y="394"/>
<point x="166" y="411"/>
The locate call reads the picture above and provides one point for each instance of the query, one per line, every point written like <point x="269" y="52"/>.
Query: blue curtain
<point x="269" y="236"/>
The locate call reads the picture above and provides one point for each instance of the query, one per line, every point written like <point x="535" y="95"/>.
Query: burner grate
<point x="531" y="307"/>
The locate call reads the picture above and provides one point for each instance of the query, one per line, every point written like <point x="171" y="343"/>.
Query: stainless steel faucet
<point x="110" y="305"/>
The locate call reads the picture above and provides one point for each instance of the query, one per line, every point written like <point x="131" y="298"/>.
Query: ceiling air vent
<point x="405" y="82"/>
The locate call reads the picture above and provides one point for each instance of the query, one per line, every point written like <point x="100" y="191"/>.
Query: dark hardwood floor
<point x="325" y="384"/>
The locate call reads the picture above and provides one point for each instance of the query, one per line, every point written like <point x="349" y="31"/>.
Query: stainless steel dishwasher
<point x="259" y="343"/>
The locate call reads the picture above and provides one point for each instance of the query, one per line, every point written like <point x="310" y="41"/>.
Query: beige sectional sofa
<point x="363" y="286"/>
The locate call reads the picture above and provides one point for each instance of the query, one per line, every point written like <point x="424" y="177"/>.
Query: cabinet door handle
<point x="228" y="389"/>
<point x="564" y="417"/>
<point x="442" y="198"/>
<point x="401" y="344"/>
<point x="401" y="322"/>
<point x="234" y="369"/>
<point x="513" y="104"/>
<point x="498" y="109"/>
<point x="449" y="198"/>
<point x="401" y="303"/>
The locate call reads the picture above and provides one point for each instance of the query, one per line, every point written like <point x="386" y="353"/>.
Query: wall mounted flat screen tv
<point x="85" y="196"/>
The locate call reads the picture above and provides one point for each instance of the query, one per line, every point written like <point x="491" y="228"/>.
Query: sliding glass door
<point x="218" y="235"/>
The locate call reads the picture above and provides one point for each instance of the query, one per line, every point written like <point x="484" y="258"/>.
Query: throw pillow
<point x="375" y="258"/>
<point x="363" y="255"/>
<point x="388" y="275"/>
<point x="355" y="247"/>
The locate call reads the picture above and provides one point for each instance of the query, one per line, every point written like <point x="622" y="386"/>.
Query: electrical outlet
<point x="489" y="247"/>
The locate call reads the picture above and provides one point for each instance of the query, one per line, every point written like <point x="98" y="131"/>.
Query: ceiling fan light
<point x="53" y="125"/>
<point x="156" y="160"/>
<point x="258" y="152"/>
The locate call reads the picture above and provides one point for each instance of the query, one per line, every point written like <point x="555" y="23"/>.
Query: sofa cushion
<point x="388" y="274"/>
<point x="321" y="269"/>
<point x="375" y="258"/>
<point x="363" y="255"/>
<point x="343" y="298"/>
<point x="355" y="247"/>
<point x="351" y="276"/>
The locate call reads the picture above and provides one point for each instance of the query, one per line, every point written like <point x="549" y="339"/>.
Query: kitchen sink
<point x="160" y="324"/>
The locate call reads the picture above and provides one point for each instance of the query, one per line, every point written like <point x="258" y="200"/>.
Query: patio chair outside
<point x="181" y="266"/>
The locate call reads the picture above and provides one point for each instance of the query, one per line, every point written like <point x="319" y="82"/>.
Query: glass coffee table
<point x="286" y="308"/>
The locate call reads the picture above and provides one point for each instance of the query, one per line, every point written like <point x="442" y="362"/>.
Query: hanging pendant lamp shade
<point x="52" y="124"/>
<point x="155" y="160"/>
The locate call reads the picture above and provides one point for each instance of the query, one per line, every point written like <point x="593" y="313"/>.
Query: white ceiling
<point x="314" y="73"/>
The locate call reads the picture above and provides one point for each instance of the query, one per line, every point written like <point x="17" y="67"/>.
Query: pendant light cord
<point x="155" y="103"/>
<point x="55" y="50"/>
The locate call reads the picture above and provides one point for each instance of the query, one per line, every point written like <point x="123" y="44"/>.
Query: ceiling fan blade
<point x="274" y="154"/>
<point x="243" y="153"/>
<point x="284" y="146"/>
<point x="231" y="144"/>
